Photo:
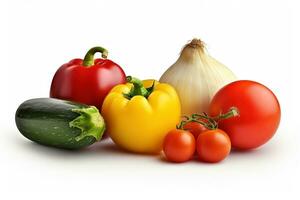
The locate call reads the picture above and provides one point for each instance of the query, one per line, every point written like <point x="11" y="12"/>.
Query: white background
<point x="256" y="39"/>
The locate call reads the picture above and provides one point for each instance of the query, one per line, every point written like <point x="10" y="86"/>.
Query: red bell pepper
<point x="87" y="81"/>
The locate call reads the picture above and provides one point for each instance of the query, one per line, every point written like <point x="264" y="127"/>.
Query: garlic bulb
<point x="196" y="76"/>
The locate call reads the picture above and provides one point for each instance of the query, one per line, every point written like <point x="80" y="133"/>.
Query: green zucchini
<point x="59" y="123"/>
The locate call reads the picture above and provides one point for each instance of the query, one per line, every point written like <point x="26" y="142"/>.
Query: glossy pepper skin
<point x="87" y="81"/>
<point x="139" y="115"/>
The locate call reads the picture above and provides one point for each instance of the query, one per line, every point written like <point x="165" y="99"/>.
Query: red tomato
<point x="179" y="145"/>
<point x="259" y="112"/>
<point x="213" y="145"/>
<point x="195" y="128"/>
<point x="87" y="81"/>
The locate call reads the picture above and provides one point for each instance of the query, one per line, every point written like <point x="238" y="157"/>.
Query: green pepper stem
<point x="135" y="81"/>
<point x="137" y="89"/>
<point x="89" y="56"/>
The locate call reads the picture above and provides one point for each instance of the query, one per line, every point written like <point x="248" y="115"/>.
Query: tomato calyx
<point x="211" y="123"/>
<point x="233" y="112"/>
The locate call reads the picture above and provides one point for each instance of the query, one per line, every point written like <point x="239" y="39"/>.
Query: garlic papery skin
<point x="196" y="76"/>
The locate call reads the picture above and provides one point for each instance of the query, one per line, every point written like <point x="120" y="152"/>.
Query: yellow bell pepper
<point x="139" y="114"/>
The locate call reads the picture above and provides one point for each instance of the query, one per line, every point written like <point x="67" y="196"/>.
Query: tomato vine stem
<point x="210" y="123"/>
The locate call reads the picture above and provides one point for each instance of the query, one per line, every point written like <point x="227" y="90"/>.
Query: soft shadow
<point x="101" y="148"/>
<point x="109" y="147"/>
<point x="264" y="150"/>
<point x="234" y="153"/>
<point x="42" y="149"/>
<point x="161" y="158"/>
<point x="200" y="162"/>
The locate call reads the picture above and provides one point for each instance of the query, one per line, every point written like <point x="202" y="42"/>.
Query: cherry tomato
<point x="213" y="145"/>
<point x="195" y="128"/>
<point x="259" y="112"/>
<point x="179" y="145"/>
